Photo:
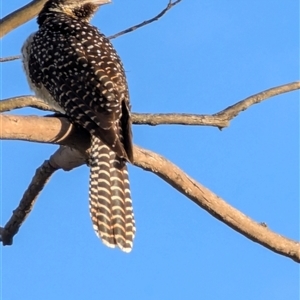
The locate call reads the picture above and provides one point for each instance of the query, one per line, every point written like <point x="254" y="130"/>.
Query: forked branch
<point x="149" y="161"/>
<point x="29" y="11"/>
<point x="220" y="119"/>
<point x="147" y="22"/>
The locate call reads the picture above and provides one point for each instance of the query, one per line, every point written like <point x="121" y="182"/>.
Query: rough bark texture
<point x="58" y="132"/>
<point x="75" y="143"/>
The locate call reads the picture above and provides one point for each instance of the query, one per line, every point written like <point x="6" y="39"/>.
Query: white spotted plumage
<point x="75" y="69"/>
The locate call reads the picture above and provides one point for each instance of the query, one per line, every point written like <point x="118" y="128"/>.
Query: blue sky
<point x="200" y="58"/>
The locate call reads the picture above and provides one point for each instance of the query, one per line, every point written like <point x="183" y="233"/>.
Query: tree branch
<point x="232" y="111"/>
<point x="60" y="131"/>
<point x="30" y="10"/>
<point x="149" y="161"/>
<point x="220" y="119"/>
<point x="65" y="158"/>
<point x="10" y="58"/>
<point x="21" y="102"/>
<point x="41" y="177"/>
<point x="20" y="16"/>
<point x="156" y="18"/>
<point x="214" y="205"/>
<point x="43" y="130"/>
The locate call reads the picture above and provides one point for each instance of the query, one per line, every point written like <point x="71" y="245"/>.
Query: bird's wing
<point x="88" y="81"/>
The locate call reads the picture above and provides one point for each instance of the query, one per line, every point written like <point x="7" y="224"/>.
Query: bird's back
<point x="82" y="71"/>
<point x="73" y="67"/>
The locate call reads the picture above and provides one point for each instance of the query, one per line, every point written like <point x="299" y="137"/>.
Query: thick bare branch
<point x="171" y="174"/>
<point x="20" y="16"/>
<point x="214" y="205"/>
<point x="221" y="119"/>
<point x="65" y="158"/>
<point x="43" y="130"/>
<point x="156" y="18"/>
<point x="38" y="182"/>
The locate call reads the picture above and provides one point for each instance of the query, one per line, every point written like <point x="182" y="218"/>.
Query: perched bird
<point x="75" y="69"/>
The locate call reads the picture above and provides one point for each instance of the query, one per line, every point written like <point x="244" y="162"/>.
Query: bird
<point x="74" y="68"/>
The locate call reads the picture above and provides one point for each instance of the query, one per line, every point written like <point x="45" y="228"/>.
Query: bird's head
<point x="77" y="9"/>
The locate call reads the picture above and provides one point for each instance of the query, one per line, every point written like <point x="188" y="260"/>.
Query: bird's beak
<point x="100" y="2"/>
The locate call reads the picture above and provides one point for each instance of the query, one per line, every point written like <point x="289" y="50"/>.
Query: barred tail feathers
<point x="110" y="201"/>
<point x="99" y="192"/>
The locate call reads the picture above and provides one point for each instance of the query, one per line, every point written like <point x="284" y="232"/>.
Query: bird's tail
<point x="109" y="197"/>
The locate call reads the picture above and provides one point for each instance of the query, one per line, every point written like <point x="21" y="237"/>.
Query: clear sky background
<point x="199" y="58"/>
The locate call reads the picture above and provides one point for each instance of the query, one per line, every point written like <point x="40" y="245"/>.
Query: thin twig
<point x="9" y="58"/>
<point x="179" y="119"/>
<point x="132" y="28"/>
<point x="22" y="102"/>
<point x="13" y="20"/>
<point x="233" y="110"/>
